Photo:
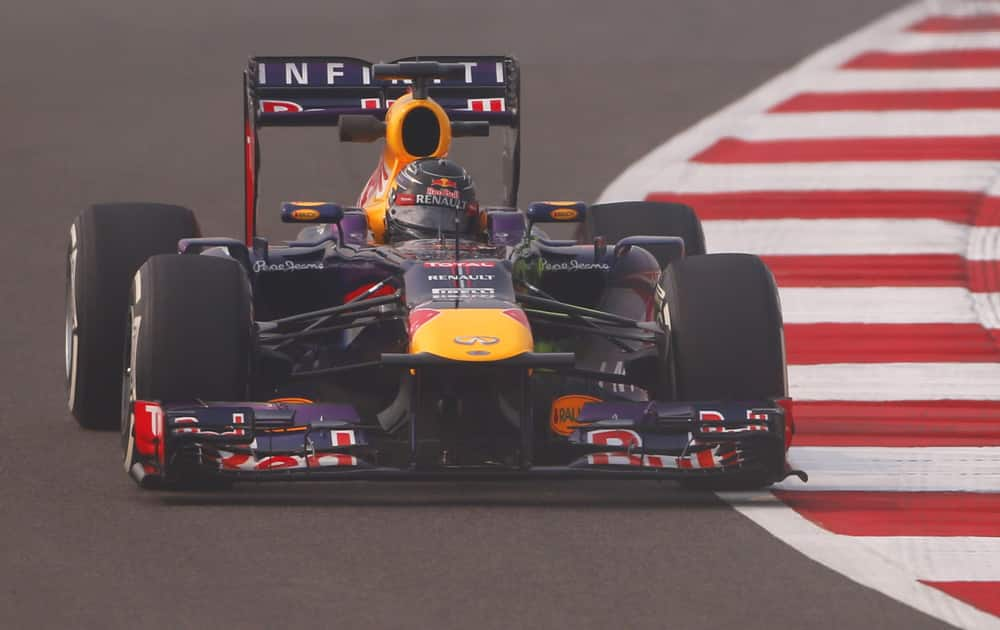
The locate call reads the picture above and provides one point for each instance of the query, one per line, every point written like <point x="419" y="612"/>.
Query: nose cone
<point x="472" y="334"/>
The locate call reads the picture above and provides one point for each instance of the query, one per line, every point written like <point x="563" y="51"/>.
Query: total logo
<point x="467" y="265"/>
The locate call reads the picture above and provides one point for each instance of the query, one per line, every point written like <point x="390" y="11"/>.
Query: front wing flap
<point x="245" y="437"/>
<point x="306" y="440"/>
<point x="700" y="438"/>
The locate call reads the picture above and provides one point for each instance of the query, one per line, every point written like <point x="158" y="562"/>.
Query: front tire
<point x="191" y="339"/>
<point x="108" y="242"/>
<point x="726" y="328"/>
<point x="727" y="342"/>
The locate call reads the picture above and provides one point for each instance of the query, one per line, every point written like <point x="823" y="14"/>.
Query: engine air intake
<point x="421" y="132"/>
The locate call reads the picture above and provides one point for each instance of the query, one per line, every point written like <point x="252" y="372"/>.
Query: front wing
<point x="310" y="441"/>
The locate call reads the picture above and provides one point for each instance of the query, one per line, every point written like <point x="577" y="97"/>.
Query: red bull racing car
<point x="419" y="334"/>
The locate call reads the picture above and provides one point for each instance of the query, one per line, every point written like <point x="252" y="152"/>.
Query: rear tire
<point x="108" y="242"/>
<point x="191" y="339"/>
<point x="615" y="221"/>
<point x="727" y="340"/>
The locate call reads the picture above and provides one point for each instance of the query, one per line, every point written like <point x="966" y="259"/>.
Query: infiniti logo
<point x="473" y="340"/>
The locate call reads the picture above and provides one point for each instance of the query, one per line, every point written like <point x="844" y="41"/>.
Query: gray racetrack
<point x="116" y="100"/>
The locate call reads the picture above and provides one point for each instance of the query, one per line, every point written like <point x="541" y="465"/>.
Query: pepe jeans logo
<point x="574" y="265"/>
<point x="476" y="339"/>
<point x="288" y="265"/>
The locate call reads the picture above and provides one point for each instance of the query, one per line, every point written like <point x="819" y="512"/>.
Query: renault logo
<point x="473" y="340"/>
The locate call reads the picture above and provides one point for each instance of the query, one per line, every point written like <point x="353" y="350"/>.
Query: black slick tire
<point x="726" y="329"/>
<point x="191" y="329"/>
<point x="108" y="243"/>
<point x="727" y="340"/>
<point x="191" y="324"/>
<point x="615" y="221"/>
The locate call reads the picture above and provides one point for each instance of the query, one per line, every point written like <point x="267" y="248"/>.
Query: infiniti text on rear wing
<point x="318" y="90"/>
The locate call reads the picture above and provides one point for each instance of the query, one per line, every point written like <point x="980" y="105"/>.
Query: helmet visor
<point x="433" y="219"/>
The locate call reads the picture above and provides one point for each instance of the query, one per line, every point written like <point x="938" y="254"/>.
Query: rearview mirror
<point x="557" y="212"/>
<point x="360" y="128"/>
<point x="311" y="212"/>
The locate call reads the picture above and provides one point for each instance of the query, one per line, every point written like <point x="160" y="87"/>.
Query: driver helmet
<point x="432" y="198"/>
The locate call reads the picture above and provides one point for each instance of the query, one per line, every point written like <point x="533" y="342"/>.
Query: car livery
<point x="512" y="354"/>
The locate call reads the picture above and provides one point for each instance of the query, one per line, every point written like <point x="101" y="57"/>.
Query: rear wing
<point x="318" y="91"/>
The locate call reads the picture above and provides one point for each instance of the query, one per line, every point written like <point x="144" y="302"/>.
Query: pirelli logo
<point x="451" y="293"/>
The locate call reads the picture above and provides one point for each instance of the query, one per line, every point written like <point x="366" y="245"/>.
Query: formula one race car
<point x="420" y="335"/>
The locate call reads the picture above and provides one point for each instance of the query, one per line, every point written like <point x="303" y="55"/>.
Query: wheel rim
<point x="72" y="324"/>
<point x="70" y="329"/>
<point x="127" y="391"/>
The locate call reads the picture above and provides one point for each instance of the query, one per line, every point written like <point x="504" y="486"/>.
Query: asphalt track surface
<point x="140" y="101"/>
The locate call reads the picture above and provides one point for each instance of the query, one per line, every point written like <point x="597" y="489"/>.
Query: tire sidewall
<point x="107" y="243"/>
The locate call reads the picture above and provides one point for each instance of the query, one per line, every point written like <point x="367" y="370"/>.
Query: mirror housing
<point x="666" y="249"/>
<point x="311" y="212"/>
<point x="360" y="128"/>
<point x="470" y="129"/>
<point x="504" y="226"/>
<point x="557" y="212"/>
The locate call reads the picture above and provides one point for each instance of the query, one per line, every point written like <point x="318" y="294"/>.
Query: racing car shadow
<point x="590" y="494"/>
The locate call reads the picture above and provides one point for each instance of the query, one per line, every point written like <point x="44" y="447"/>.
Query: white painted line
<point x="665" y="169"/>
<point x="710" y="178"/>
<point x="941" y="558"/>
<point x="930" y="42"/>
<point x="888" y="124"/>
<point x="896" y="469"/>
<point x="878" y="305"/>
<point x="959" y="7"/>
<point x="987" y="306"/>
<point x="895" y="381"/>
<point x="846" y="555"/>
<point x="837" y="237"/>
<point x="833" y="80"/>
<point x="984" y="244"/>
<point x="819" y="72"/>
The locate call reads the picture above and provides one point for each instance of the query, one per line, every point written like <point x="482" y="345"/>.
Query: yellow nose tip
<point x="473" y="334"/>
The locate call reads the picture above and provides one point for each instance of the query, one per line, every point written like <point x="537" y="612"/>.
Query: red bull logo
<point x="443" y="192"/>
<point x="443" y="182"/>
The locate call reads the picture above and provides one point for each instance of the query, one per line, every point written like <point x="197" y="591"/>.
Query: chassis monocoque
<point x="337" y="356"/>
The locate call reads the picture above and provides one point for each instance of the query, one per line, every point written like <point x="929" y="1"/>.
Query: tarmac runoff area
<point x="138" y="101"/>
